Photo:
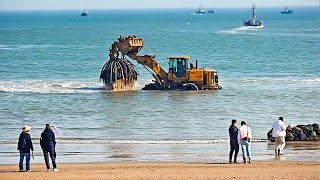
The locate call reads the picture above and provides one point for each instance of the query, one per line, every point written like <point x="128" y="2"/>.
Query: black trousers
<point x="233" y="147"/>
<point x="52" y="154"/>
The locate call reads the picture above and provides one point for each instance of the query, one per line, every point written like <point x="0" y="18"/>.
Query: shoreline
<point x="189" y="153"/>
<point x="168" y="170"/>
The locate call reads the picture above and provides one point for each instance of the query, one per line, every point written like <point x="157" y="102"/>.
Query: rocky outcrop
<point x="310" y="132"/>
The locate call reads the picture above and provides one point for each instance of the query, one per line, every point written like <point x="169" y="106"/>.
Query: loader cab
<point x="178" y="67"/>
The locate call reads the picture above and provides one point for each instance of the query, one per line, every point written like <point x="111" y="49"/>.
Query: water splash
<point x="239" y="30"/>
<point x="59" y="87"/>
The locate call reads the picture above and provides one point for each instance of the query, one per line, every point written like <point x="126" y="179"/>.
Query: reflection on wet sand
<point x="303" y="145"/>
<point x="169" y="152"/>
<point x="298" y="150"/>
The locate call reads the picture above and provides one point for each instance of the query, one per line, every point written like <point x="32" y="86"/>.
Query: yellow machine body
<point x="182" y="71"/>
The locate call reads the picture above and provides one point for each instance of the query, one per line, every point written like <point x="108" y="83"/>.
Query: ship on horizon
<point x="200" y="11"/>
<point x="211" y="11"/>
<point x="84" y="13"/>
<point x="253" y="22"/>
<point x="286" y="11"/>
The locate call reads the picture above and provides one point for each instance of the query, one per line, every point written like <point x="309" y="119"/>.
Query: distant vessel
<point x="211" y="11"/>
<point x="253" y="22"/>
<point x="200" y="11"/>
<point x="84" y="13"/>
<point x="286" y="11"/>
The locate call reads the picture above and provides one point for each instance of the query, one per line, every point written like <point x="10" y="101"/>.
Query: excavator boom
<point x="130" y="46"/>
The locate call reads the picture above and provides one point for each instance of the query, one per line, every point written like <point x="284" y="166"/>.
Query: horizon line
<point x="156" y="8"/>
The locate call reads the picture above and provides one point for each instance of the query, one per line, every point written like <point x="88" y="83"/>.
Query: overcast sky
<point x="125" y="4"/>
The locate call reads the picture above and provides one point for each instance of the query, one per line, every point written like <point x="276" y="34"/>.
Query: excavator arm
<point x="148" y="60"/>
<point x="130" y="46"/>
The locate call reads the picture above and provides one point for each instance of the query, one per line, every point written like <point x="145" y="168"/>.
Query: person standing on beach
<point x="234" y="144"/>
<point x="48" y="144"/>
<point x="24" y="146"/>
<point x="279" y="133"/>
<point x="245" y="137"/>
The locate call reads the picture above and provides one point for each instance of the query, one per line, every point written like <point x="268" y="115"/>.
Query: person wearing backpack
<point x="24" y="147"/>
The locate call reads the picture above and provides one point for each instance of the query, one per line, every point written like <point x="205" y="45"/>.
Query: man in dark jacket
<point x="48" y="144"/>
<point x="234" y="144"/>
<point x="24" y="146"/>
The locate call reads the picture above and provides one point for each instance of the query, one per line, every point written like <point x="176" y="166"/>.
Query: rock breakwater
<point x="310" y="132"/>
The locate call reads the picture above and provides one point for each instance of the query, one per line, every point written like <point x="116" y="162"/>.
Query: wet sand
<point x="153" y="152"/>
<point x="167" y="170"/>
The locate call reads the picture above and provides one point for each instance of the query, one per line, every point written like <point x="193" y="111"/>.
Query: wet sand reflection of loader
<point x="119" y="74"/>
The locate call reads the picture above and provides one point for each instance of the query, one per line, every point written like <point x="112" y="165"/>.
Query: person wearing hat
<point x="48" y="144"/>
<point x="24" y="146"/>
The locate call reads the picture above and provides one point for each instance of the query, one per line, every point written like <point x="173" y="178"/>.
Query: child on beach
<point x="24" y="146"/>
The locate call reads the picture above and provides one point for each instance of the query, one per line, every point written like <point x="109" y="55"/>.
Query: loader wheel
<point x="151" y="87"/>
<point x="191" y="87"/>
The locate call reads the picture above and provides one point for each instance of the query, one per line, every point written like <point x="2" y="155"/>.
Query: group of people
<point x="240" y="136"/>
<point x="243" y="136"/>
<point x="47" y="143"/>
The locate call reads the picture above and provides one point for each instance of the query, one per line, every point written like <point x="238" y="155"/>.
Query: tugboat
<point x="84" y="13"/>
<point x="253" y="22"/>
<point x="200" y="11"/>
<point x="286" y="11"/>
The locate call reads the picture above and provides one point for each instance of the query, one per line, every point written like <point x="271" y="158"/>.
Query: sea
<point x="50" y="63"/>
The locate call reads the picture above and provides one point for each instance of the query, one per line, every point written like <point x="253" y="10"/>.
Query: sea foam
<point x="56" y="87"/>
<point x="42" y="86"/>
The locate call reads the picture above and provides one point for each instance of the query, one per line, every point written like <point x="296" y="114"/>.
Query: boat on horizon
<point x="211" y="11"/>
<point x="253" y="22"/>
<point x="84" y="13"/>
<point x="286" y="11"/>
<point x="200" y="11"/>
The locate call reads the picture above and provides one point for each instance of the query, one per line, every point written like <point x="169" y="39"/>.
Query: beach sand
<point x="169" y="170"/>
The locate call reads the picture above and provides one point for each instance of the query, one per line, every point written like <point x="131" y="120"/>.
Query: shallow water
<point x="163" y="151"/>
<point x="51" y="62"/>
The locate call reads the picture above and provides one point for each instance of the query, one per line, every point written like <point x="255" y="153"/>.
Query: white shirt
<point x="244" y="131"/>
<point x="278" y="128"/>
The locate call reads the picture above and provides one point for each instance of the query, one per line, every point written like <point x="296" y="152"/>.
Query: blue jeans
<point x="246" y="149"/>
<point x="22" y="155"/>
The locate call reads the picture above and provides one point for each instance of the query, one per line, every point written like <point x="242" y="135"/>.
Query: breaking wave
<point x="42" y="86"/>
<point x="40" y="46"/>
<point x="97" y="141"/>
<point x="310" y="81"/>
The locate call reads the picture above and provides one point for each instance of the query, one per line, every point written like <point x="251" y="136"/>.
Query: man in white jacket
<point x="279" y="133"/>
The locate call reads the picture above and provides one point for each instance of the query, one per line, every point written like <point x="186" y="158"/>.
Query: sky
<point x="134" y="4"/>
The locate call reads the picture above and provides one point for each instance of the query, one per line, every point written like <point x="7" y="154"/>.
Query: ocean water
<point x="51" y="63"/>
